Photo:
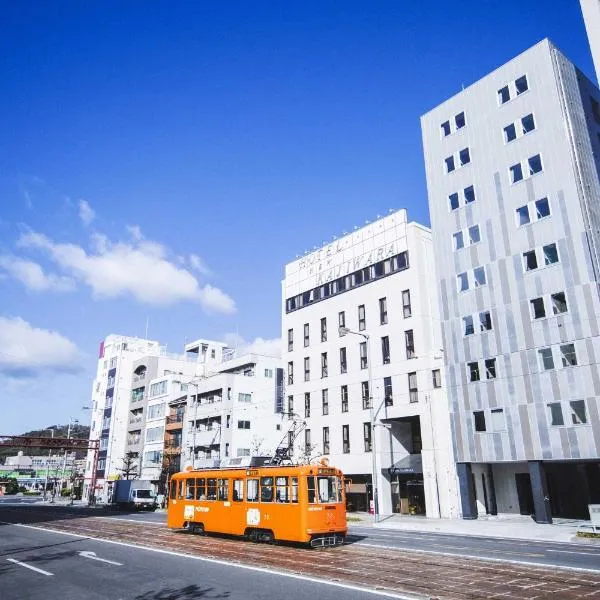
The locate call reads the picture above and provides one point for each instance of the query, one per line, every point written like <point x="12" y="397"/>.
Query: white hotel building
<point x="360" y="329"/>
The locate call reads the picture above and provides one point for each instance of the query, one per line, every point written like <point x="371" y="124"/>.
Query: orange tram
<point x="301" y="503"/>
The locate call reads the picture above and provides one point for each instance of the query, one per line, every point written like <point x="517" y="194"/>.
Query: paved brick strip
<point x="420" y="574"/>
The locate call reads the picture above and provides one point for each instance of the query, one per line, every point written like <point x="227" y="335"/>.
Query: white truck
<point x="134" y="494"/>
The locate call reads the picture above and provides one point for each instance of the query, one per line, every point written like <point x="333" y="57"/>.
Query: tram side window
<point x="189" y="489"/>
<point x="266" y="489"/>
<point x="238" y="490"/>
<point x="201" y="489"/>
<point x="312" y="493"/>
<point x="211" y="489"/>
<point x="252" y="490"/>
<point x="223" y="489"/>
<point x="295" y="490"/>
<point x="329" y="489"/>
<point x="173" y="489"/>
<point x="180" y="488"/>
<point x="281" y="489"/>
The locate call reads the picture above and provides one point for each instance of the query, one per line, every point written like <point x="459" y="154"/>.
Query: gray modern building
<point x="591" y="16"/>
<point x="512" y="166"/>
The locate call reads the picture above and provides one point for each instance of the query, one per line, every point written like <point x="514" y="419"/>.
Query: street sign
<point x="594" y="514"/>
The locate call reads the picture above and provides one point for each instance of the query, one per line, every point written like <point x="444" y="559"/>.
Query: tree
<point x="130" y="466"/>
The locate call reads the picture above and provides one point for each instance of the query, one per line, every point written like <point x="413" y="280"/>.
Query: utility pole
<point x="48" y="465"/>
<point x="64" y="468"/>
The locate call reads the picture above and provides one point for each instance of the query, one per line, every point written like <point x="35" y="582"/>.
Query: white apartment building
<point x="362" y="347"/>
<point x="234" y="413"/>
<point x="512" y="166"/>
<point x="591" y="16"/>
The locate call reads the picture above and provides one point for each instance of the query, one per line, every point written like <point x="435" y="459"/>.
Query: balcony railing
<point x="133" y="441"/>
<point x="134" y="420"/>
<point x="174" y="419"/>
<point x="139" y="377"/>
<point x="173" y="444"/>
<point x="138" y="397"/>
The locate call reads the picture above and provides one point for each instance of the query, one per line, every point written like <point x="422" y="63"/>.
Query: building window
<point x="510" y="133"/>
<point x="307" y="444"/>
<point x="323" y="364"/>
<point x="527" y="123"/>
<point x="568" y="355"/>
<point x="346" y="439"/>
<point x="449" y="162"/>
<point x="578" y="414"/>
<point x="503" y="95"/>
<point x="522" y="215"/>
<point x="521" y="85"/>
<point x="367" y="436"/>
<point x="323" y="329"/>
<point x="474" y="235"/>
<point x="436" y="377"/>
<point x="546" y="358"/>
<point x="498" y="421"/>
<point x="306" y="334"/>
<point x="479" y="276"/>
<point x="364" y="360"/>
<point x="446" y="129"/>
<point x="413" y="393"/>
<point x="385" y="349"/>
<point x="530" y="260"/>
<point x="344" y="397"/>
<point x="362" y="323"/>
<point x="307" y="404"/>
<point x="290" y="373"/>
<point x="469" y="194"/>
<point x="535" y="164"/>
<point x="556" y="414"/>
<point x="269" y="373"/>
<point x="522" y="127"/>
<point x="325" y="401"/>
<point x="470" y="236"/>
<point x="388" y="392"/>
<point x="559" y="303"/>
<point x="383" y="317"/>
<point x="406" y="308"/>
<point x="458" y="239"/>
<point x="459" y="120"/>
<point x="540" y="208"/>
<point x="550" y="254"/>
<point x="473" y="370"/>
<point x="409" y="342"/>
<point x="468" y="325"/>
<point x="538" y="310"/>
<point x="479" y="417"/>
<point x="453" y="200"/>
<point x="516" y="173"/>
<point x="513" y="89"/>
<point x="243" y="424"/>
<point x="485" y="320"/>
<point x="464" y="157"/>
<point x="244" y="397"/>
<point x="343" y="361"/>
<point x="325" y="440"/>
<point x="290" y="340"/>
<point x="366" y="398"/>
<point x="341" y="323"/>
<point x="490" y="368"/>
<point x="306" y="368"/>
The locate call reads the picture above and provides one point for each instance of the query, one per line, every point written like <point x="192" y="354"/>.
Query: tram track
<point x="422" y="574"/>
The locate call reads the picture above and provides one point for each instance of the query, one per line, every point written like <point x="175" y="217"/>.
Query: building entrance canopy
<point x="411" y="464"/>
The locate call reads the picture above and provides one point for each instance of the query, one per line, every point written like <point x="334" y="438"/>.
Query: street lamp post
<point x="47" y="465"/>
<point x="372" y="416"/>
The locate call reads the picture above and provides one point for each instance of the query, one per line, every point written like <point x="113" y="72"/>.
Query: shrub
<point x="65" y="492"/>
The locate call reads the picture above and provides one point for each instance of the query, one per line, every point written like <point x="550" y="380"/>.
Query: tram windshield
<point x="328" y="489"/>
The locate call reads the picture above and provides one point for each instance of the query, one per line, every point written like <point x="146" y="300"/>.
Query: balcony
<point x="138" y="397"/>
<point x="206" y="463"/>
<point x="136" y="419"/>
<point x="205" y="437"/>
<point x="132" y="442"/>
<point x="139" y="377"/>
<point x="174" y="422"/>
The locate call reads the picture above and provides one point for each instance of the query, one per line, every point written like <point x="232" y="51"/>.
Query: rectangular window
<point x="469" y="194"/>
<point x="307" y="444"/>
<point x="436" y="377"/>
<point x="473" y="370"/>
<point x="323" y="365"/>
<point x="290" y="340"/>
<point x="244" y="397"/>
<point x="474" y="236"/>
<point x="503" y="95"/>
<point x="510" y="133"/>
<point x="578" y="414"/>
<point x="479" y="276"/>
<point x="530" y="260"/>
<point x="521" y="85"/>
<point x="462" y="282"/>
<point x="341" y="323"/>
<point x="325" y="440"/>
<point x="542" y="208"/>
<point x="325" y="401"/>
<point x="538" y="310"/>
<point x="490" y="368"/>
<point x="459" y="120"/>
<point x="307" y="404"/>
<point x="252" y="490"/>
<point x="485" y="321"/>
<point x="449" y="162"/>
<point x="346" y="439"/>
<point x="409" y="342"/>
<point x="568" y="355"/>
<point x="364" y="360"/>
<point x="306" y="368"/>
<point x="366" y="398"/>
<point x="498" y="421"/>
<point x="306" y="334"/>
<point x="527" y="123"/>
<point x="516" y="173"/>
<point x="559" y="303"/>
<point x="367" y="436"/>
<point x="383" y="318"/>
<point x="344" y="397"/>
<point x="445" y="127"/>
<point x="458" y="239"/>
<point x="550" y="254"/>
<point x="464" y="156"/>
<point x="413" y="393"/>
<point x="523" y="215"/>
<point x="388" y="392"/>
<point x="479" y="418"/>
<point x="343" y="361"/>
<point x="243" y="424"/>
<point x="362" y="322"/>
<point x="385" y="349"/>
<point x="555" y="413"/>
<point x="324" y="329"/>
<point x="535" y="164"/>
<point x="406" y="308"/>
<point x="453" y="201"/>
<point x="546" y="358"/>
<point x="468" y="327"/>
<point x="290" y="373"/>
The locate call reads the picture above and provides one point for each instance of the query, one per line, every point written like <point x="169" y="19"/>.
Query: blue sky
<point x="163" y="161"/>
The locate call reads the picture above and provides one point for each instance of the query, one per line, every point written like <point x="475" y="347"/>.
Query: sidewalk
<point x="500" y="526"/>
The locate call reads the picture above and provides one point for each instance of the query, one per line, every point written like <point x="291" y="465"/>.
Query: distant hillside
<point x="60" y="431"/>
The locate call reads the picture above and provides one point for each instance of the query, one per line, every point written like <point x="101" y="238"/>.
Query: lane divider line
<point x="22" y="564"/>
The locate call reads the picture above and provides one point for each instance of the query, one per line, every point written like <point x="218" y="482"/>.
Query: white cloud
<point x="86" y="212"/>
<point x="25" y="350"/>
<point x="257" y="346"/>
<point x="139" y="268"/>
<point x="33" y="277"/>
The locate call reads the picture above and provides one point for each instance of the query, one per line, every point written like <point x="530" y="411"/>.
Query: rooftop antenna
<point x="147" y="322"/>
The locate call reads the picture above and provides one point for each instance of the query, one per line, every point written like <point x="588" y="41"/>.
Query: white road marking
<point x="22" y="564"/>
<point x="92" y="555"/>
<point x="266" y="571"/>
<point x="575" y="552"/>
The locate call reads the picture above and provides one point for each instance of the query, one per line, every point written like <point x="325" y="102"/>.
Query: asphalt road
<point x="38" y="565"/>
<point x="573" y="555"/>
